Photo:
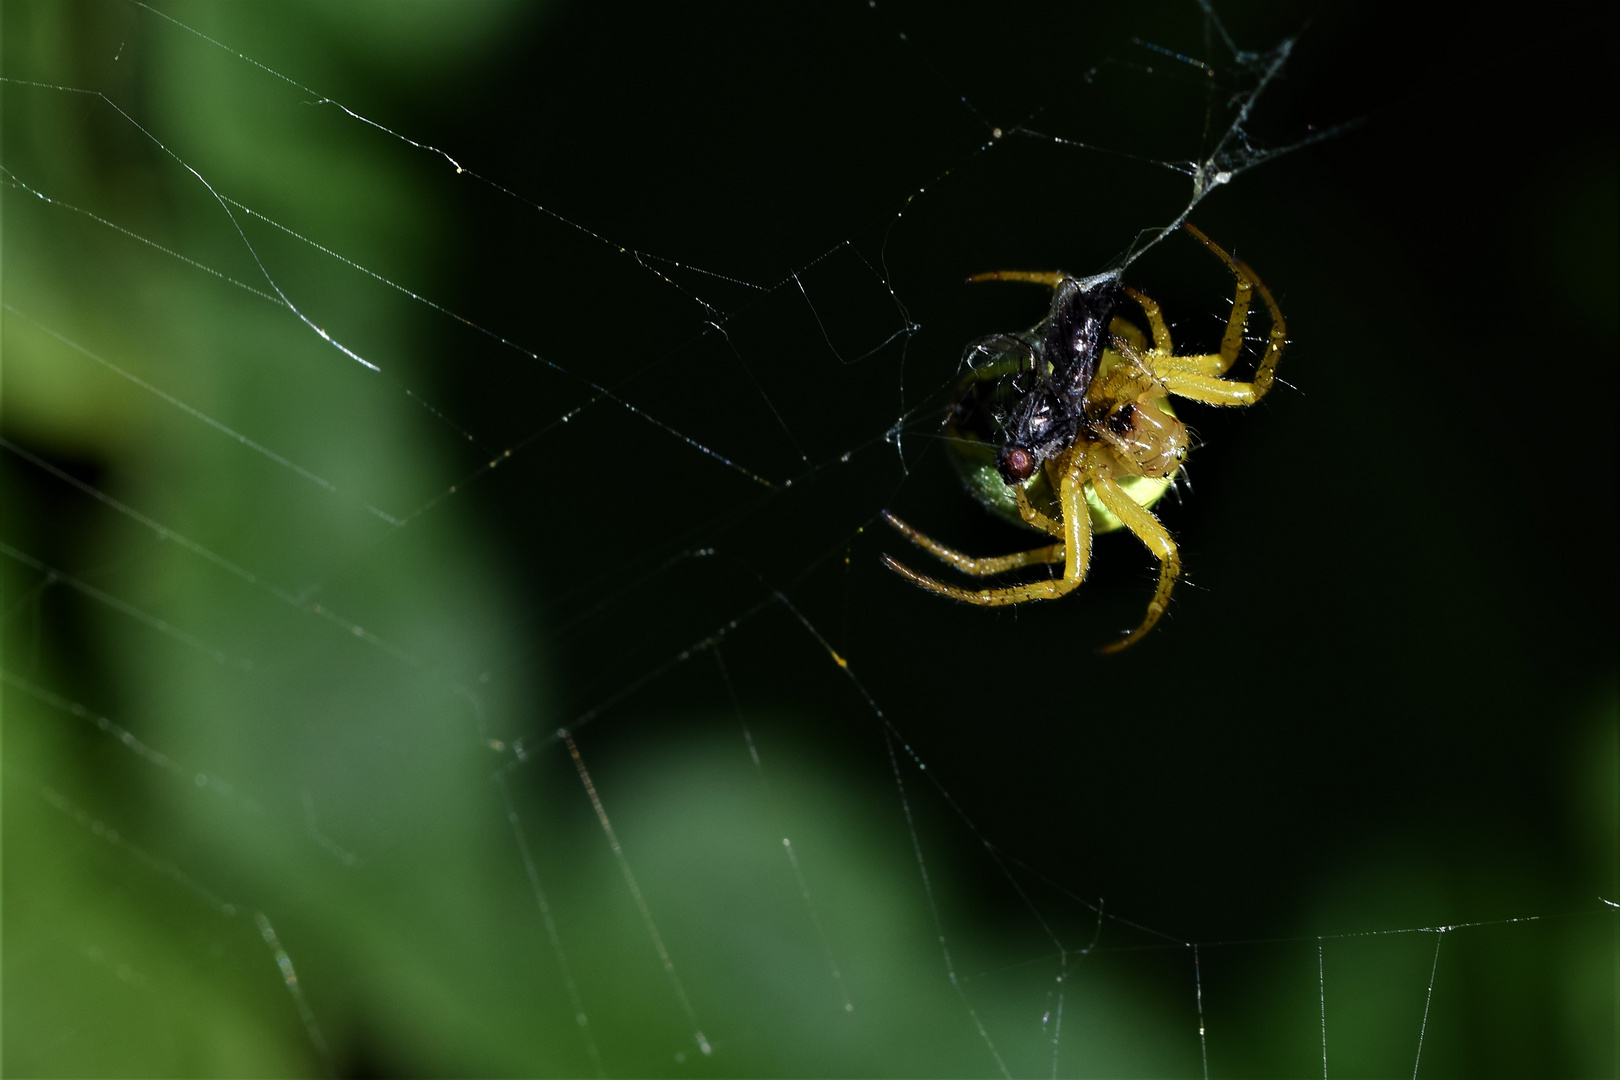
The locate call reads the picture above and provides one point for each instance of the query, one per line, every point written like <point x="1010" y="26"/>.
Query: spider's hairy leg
<point x="1128" y="332"/>
<point x="997" y="564"/>
<point x="1248" y="282"/>
<point x="1076" y="548"/>
<point x="1033" y="517"/>
<point x="1012" y="594"/>
<point x="1232" y="340"/>
<point x="1209" y="364"/>
<point x="1076" y="521"/>
<point x="1155" y="318"/>
<point x="1157" y="539"/>
<point x="1209" y="389"/>
<point x="1051" y="279"/>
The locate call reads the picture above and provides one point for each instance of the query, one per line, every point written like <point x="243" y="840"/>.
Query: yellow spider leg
<point x="1033" y="517"/>
<point x="1051" y="279"/>
<point x="1248" y="281"/>
<point x="1076" y="523"/>
<point x="1155" y="318"/>
<point x="1209" y="389"/>
<point x="968" y="564"/>
<point x="1129" y="332"/>
<point x="1077" y="559"/>
<point x="1213" y="364"/>
<point x="1232" y="340"/>
<point x="1014" y="594"/>
<point x="1157" y="538"/>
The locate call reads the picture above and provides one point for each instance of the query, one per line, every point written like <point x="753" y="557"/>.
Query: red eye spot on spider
<point x="1017" y="464"/>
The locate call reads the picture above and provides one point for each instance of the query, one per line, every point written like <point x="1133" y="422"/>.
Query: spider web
<point x="445" y="634"/>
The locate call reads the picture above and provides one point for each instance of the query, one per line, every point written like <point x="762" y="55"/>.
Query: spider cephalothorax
<point x="1067" y="428"/>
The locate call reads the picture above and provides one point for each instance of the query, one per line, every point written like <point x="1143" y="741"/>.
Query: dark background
<point x="1385" y="694"/>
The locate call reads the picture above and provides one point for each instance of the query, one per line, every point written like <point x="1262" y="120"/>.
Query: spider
<point x="1067" y="429"/>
